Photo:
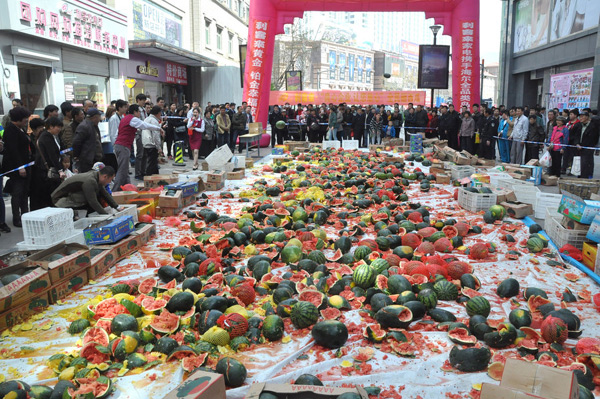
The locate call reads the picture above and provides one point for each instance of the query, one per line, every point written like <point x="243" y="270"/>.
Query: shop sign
<point x="151" y="22"/>
<point x="78" y="23"/>
<point x="147" y="69"/>
<point x="176" y="73"/>
<point x="130" y="83"/>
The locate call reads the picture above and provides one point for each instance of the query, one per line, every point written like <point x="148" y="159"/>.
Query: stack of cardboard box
<point x="177" y="196"/>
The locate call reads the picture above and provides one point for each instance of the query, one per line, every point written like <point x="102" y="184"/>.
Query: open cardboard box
<point x="75" y="258"/>
<point x="200" y="385"/>
<point x="523" y="379"/>
<point x="289" y="391"/>
<point x="33" y="282"/>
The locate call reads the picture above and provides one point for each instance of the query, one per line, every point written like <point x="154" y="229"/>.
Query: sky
<point x="490" y="27"/>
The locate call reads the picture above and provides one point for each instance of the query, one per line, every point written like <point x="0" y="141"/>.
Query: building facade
<point x="218" y="28"/>
<point x="51" y="52"/>
<point x="550" y="54"/>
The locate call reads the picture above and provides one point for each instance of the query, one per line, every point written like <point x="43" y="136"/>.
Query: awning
<point x="171" y="53"/>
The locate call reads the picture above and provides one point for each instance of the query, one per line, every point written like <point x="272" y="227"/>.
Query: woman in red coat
<point x="195" y="129"/>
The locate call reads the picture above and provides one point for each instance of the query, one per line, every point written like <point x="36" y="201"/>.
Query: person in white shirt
<point x="139" y="147"/>
<point x="519" y="134"/>
<point x="190" y="112"/>
<point x="113" y="122"/>
<point x="151" y="139"/>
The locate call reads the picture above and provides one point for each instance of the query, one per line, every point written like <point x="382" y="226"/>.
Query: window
<point x="230" y="4"/>
<point x="230" y="45"/>
<point x="219" y="38"/>
<point x="240" y="10"/>
<point x="79" y="87"/>
<point x="207" y="32"/>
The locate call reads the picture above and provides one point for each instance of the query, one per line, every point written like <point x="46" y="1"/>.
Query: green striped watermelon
<point x="478" y="305"/>
<point x="364" y="276"/>
<point x="304" y="314"/>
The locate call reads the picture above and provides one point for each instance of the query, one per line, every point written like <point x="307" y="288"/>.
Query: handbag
<point x="546" y="159"/>
<point x="181" y="129"/>
<point x="576" y="167"/>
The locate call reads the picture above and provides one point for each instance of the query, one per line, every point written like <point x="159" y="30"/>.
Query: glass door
<point x="33" y="83"/>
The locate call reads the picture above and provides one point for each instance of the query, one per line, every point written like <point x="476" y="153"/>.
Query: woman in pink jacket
<point x="557" y="140"/>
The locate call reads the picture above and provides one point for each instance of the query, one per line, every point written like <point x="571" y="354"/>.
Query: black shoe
<point x="17" y="224"/>
<point x="4" y="228"/>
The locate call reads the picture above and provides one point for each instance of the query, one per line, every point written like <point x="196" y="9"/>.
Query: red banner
<point x="468" y="63"/>
<point x="349" y="97"/>
<point x="176" y="73"/>
<point x="256" y="49"/>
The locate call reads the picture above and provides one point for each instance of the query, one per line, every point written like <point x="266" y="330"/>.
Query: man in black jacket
<point x="87" y="147"/>
<point x="83" y="191"/>
<point x="590" y="133"/>
<point x="489" y="133"/>
<point x="277" y="133"/>
<point x="18" y="150"/>
<point x="421" y="118"/>
<point x="358" y="126"/>
<point x="312" y="126"/>
<point x="454" y="123"/>
<point x="347" y="125"/>
<point x="574" y="126"/>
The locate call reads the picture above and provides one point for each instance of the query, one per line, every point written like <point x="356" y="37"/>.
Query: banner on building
<point x="571" y="89"/>
<point x="410" y="50"/>
<point x="532" y="21"/>
<point x="258" y="33"/>
<point x="293" y="80"/>
<point x="570" y="17"/>
<point x="350" y="97"/>
<point x="153" y="22"/>
<point x="468" y="63"/>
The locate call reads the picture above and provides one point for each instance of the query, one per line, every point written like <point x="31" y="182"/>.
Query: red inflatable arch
<point x="460" y="19"/>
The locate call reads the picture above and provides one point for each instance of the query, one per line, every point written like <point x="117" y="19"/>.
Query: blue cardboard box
<point x="536" y="174"/>
<point x="110" y="231"/>
<point x="594" y="231"/>
<point x="277" y="151"/>
<point x="188" y="189"/>
<point x="582" y="211"/>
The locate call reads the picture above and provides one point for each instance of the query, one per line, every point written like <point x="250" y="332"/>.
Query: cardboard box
<point x="166" y="212"/>
<point x="102" y="260"/>
<point x="109" y="231"/>
<point x="159" y="180"/>
<point x="238" y="161"/>
<point x="546" y="382"/>
<point x="153" y="195"/>
<point x="66" y="266"/>
<point x="210" y="186"/>
<point x="582" y="211"/>
<point x="67" y="286"/>
<point x="170" y="201"/>
<point x="533" y="162"/>
<point x="277" y="151"/>
<point x="442" y="178"/>
<point x="594" y="229"/>
<point x="14" y="258"/>
<point x="118" y="250"/>
<point x="518" y="210"/>
<point x="518" y="176"/>
<point x="144" y="207"/>
<point x="548" y="180"/>
<point x="302" y="391"/>
<point x="375" y="147"/>
<point x="203" y="385"/>
<point x="249" y="163"/>
<point x="436" y="170"/>
<point x="570" y="224"/>
<point x="486" y="162"/>
<point x="33" y="281"/>
<point x="22" y="312"/>
<point x="590" y="252"/>
<point x="461" y="159"/>
<point x="255" y="127"/>
<point x="187" y="189"/>
<point x="145" y="231"/>
<point x="216" y="177"/>
<point x="491" y="391"/>
<point x="504" y="195"/>
<point x="536" y="174"/>
<point x="123" y="197"/>
<point x="237" y="174"/>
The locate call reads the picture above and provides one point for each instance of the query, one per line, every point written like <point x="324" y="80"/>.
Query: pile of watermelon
<point x="293" y="261"/>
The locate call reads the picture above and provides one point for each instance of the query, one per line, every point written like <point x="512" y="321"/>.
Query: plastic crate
<point x="74" y="237"/>
<point x="561" y="236"/>
<point x="496" y="176"/>
<point x="48" y="226"/>
<point x="350" y="144"/>
<point x="475" y="202"/>
<point x="526" y="193"/>
<point x="544" y="201"/>
<point x="461" y="171"/>
<point x="335" y="144"/>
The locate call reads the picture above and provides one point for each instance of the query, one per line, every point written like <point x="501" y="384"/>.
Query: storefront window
<point x="80" y="87"/>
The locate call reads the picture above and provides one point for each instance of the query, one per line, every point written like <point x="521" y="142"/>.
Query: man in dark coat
<point x="489" y="133"/>
<point x="87" y="147"/>
<point x="421" y="119"/>
<point x="83" y="191"/>
<point x="276" y="133"/>
<point x="18" y="151"/>
<point x="358" y="126"/>
<point x="590" y="129"/>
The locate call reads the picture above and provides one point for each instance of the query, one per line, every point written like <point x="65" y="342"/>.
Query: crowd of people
<point x="66" y="143"/>
<point x="519" y="134"/>
<point x="60" y="158"/>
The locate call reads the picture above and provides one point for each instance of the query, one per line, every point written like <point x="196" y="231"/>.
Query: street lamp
<point x="434" y="29"/>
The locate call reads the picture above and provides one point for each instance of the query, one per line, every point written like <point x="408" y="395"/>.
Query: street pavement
<point x="8" y="241"/>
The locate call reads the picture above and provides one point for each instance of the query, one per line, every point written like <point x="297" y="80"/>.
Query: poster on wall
<point x="571" y="89"/>
<point x="573" y="16"/>
<point x="342" y="66"/>
<point x="152" y="22"/>
<point x="332" y="62"/>
<point x="293" y="80"/>
<point x="532" y="22"/>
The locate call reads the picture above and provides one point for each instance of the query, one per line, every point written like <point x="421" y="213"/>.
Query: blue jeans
<point x="222" y="139"/>
<point x="504" y="149"/>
